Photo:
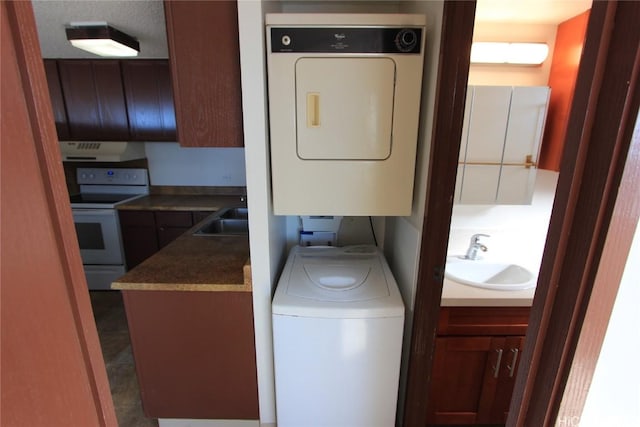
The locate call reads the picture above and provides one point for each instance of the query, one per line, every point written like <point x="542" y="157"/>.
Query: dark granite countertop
<point x="183" y="202"/>
<point x="192" y="263"/>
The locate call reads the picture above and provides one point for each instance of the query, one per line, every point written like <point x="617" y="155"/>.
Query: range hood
<point x="101" y="151"/>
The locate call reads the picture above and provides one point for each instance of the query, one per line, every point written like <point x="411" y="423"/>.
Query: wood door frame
<point x="451" y="90"/>
<point x="582" y="221"/>
<point x="34" y="84"/>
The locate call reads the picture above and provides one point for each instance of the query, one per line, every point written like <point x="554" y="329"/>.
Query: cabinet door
<point x="139" y="236"/>
<point x="150" y="109"/>
<point x="205" y="66"/>
<point x="527" y="116"/>
<point x="57" y="99"/>
<point x="172" y="225"/>
<point x="506" y="381"/>
<point x="200" y="216"/>
<point x="464" y="377"/>
<point x="95" y="100"/>
<point x="487" y="116"/>
<point x="194" y="353"/>
<point x="501" y="137"/>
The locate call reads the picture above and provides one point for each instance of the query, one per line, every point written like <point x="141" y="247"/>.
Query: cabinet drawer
<point x="174" y="219"/>
<point x="136" y="219"/>
<point x="483" y="320"/>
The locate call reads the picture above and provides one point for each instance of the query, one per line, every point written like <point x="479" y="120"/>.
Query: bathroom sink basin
<point x="226" y="222"/>
<point x="489" y="274"/>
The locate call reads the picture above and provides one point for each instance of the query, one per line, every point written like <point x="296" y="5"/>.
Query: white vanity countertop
<point x="518" y="235"/>
<point x="458" y="295"/>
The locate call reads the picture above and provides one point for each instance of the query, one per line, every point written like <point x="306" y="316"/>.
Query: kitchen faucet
<point x="474" y="246"/>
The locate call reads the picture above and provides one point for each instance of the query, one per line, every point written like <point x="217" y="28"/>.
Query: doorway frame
<point x="582" y="220"/>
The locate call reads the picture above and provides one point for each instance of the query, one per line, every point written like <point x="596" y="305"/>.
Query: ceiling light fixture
<point x="509" y="53"/>
<point x="102" y="39"/>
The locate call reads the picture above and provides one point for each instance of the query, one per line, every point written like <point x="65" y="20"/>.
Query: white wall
<point x="513" y="75"/>
<point x="402" y="235"/>
<point x="170" y="164"/>
<point x="267" y="233"/>
<point x="614" y="394"/>
<point x="518" y="232"/>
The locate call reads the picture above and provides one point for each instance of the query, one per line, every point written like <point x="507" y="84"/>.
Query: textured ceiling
<point x="529" y="11"/>
<point x="142" y="19"/>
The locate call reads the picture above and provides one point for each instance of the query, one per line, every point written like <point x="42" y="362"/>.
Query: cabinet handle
<point x="512" y="366"/>
<point x="496" y="368"/>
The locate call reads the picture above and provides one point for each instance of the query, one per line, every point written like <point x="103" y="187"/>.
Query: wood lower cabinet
<point x="139" y="236"/>
<point x="475" y="364"/>
<point x="146" y="232"/>
<point x="194" y="353"/>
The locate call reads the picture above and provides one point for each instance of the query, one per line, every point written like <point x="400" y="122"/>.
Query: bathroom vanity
<point x="476" y="359"/>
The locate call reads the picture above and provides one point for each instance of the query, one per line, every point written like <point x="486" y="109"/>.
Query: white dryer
<point x="337" y="324"/>
<point x="344" y="112"/>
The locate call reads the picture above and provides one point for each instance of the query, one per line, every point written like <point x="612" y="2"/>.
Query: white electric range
<point x="96" y="219"/>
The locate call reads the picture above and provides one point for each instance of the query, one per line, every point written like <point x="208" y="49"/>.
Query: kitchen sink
<point x="230" y="221"/>
<point x="489" y="274"/>
<point x="234" y="213"/>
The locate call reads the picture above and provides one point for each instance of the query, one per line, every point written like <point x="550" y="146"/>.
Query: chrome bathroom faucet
<point x="474" y="246"/>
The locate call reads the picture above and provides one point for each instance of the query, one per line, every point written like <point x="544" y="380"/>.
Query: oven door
<point x="98" y="232"/>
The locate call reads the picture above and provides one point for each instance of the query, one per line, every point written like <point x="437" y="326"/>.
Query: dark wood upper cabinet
<point x="147" y="85"/>
<point x="204" y="55"/>
<point x="95" y="99"/>
<point x="57" y="98"/>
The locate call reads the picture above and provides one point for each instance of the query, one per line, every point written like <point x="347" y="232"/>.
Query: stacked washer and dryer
<point x="344" y="100"/>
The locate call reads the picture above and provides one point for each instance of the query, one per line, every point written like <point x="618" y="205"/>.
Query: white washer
<point x="337" y="325"/>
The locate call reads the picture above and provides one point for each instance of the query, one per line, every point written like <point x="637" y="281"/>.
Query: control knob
<point x="406" y="40"/>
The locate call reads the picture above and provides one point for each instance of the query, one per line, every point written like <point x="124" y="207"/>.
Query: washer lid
<point x="324" y="276"/>
<point x="329" y="282"/>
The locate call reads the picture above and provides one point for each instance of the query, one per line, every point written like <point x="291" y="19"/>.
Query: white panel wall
<point x="513" y="75"/>
<point x="170" y="164"/>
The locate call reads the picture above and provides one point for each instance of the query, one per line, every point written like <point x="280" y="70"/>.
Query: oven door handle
<point x="82" y="211"/>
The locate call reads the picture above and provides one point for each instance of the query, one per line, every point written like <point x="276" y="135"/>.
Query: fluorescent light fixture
<point x="509" y="53"/>
<point x="101" y="39"/>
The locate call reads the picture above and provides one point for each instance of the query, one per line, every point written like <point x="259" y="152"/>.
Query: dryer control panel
<point x="347" y="40"/>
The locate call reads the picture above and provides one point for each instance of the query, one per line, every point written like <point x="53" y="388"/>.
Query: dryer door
<point x="344" y="108"/>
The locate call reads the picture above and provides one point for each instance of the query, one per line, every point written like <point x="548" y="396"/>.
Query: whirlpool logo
<point x="340" y="36"/>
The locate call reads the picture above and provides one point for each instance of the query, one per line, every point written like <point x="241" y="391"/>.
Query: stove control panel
<point x="113" y="176"/>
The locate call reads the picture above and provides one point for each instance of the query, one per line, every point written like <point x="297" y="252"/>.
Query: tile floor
<point x="108" y="310"/>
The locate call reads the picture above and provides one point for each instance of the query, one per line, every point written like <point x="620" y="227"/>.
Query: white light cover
<point x="509" y="53"/>
<point x="104" y="47"/>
